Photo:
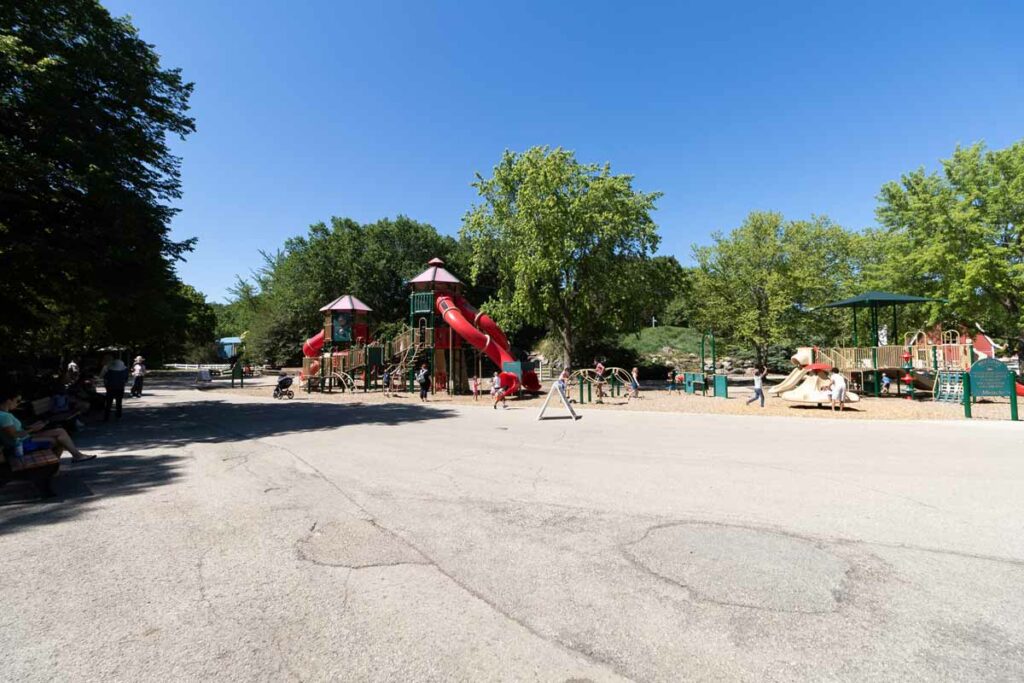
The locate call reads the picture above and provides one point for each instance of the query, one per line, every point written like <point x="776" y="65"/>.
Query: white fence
<point x="223" y="367"/>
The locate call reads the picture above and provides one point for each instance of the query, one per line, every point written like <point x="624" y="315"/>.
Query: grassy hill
<point x="652" y="341"/>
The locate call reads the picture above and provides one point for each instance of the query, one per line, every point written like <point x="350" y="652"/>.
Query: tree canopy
<point x="758" y="284"/>
<point x="279" y="306"/>
<point x="571" y="244"/>
<point x="958" y="235"/>
<point x="87" y="181"/>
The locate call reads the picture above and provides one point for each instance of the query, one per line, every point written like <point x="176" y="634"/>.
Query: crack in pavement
<point x="696" y="595"/>
<point x="590" y="656"/>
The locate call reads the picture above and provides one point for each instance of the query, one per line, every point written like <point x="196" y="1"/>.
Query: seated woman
<point x="35" y="438"/>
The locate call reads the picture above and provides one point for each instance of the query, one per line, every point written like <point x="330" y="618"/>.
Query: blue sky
<point x="370" y="109"/>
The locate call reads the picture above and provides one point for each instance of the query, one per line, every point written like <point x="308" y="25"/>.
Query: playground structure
<point x="584" y="385"/>
<point x="808" y="382"/>
<point x="341" y="352"/>
<point x="926" y="363"/>
<point x="442" y="331"/>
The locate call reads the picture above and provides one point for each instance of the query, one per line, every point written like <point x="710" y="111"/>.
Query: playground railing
<point x="923" y="357"/>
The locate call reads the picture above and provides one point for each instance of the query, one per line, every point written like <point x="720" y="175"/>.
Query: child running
<point x="500" y="395"/>
<point x="759" y="374"/>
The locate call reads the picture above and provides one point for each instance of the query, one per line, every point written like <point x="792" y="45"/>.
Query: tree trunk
<point x="567" y="346"/>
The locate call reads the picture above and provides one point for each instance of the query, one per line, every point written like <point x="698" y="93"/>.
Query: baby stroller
<point x="282" y="389"/>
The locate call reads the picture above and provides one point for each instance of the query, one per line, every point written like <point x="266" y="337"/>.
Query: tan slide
<point x="803" y="356"/>
<point x="791" y="381"/>
<point x="814" y="389"/>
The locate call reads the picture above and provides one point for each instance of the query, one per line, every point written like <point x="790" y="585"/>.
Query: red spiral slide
<point x="489" y="339"/>
<point x="485" y="323"/>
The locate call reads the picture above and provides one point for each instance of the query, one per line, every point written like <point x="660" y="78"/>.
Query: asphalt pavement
<point x="224" y="537"/>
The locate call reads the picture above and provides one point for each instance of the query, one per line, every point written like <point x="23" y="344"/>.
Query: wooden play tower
<point x="441" y="348"/>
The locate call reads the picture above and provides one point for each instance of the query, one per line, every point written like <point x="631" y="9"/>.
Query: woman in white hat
<point x="138" y="372"/>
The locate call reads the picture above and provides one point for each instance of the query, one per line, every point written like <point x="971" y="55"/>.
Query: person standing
<point x="138" y="373"/>
<point x="72" y="373"/>
<point x="114" y="375"/>
<point x="476" y="388"/>
<point x="759" y="374"/>
<point x="634" y="384"/>
<point x="599" y="381"/>
<point x="563" y="381"/>
<point x="838" y="389"/>
<point x="423" y="379"/>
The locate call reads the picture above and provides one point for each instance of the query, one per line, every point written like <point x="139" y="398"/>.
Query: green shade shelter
<point x="873" y="301"/>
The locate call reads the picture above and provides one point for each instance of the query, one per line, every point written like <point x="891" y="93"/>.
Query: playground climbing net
<point x="949" y="387"/>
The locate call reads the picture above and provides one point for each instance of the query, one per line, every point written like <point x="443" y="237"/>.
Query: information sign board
<point x="989" y="377"/>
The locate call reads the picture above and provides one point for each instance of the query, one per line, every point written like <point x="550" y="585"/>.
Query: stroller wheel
<point x="277" y="394"/>
<point x="289" y="393"/>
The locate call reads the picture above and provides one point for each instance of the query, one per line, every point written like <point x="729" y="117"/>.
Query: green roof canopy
<point x="875" y="298"/>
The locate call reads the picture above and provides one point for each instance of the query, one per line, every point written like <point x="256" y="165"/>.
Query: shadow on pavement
<point x="217" y="421"/>
<point x="80" y="484"/>
<point x="175" y="425"/>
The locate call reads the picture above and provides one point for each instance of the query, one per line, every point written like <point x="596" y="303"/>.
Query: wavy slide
<point x="488" y="338"/>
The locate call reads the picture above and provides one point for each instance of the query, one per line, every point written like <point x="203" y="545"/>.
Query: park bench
<point x="42" y="410"/>
<point x="37" y="467"/>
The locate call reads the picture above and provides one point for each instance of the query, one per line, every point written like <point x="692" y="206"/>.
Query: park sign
<point x="990" y="377"/>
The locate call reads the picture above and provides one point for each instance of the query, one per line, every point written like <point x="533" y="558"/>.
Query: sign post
<point x="557" y="389"/>
<point x="989" y="377"/>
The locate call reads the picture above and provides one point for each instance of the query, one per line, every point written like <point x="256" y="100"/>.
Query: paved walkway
<point x="233" y="538"/>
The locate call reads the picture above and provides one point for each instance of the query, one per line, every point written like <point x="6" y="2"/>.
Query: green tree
<point x="197" y="330"/>
<point x="571" y="244"/>
<point x="86" y="178"/>
<point x="678" y="303"/>
<point x="279" y="305"/>
<point x="958" y="235"/>
<point x="758" y="285"/>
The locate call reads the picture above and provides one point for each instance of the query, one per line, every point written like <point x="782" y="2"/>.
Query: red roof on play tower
<point x="347" y="303"/>
<point x="435" y="273"/>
